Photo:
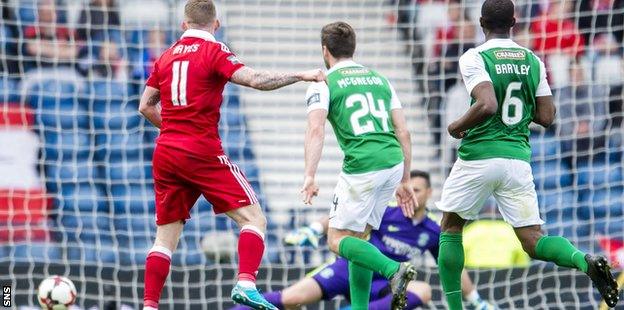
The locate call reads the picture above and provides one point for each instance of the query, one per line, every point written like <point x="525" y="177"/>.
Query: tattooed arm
<point x="266" y="80"/>
<point x="149" y="105"/>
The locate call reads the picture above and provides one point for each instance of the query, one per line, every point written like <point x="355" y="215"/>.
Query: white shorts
<point x="361" y="199"/>
<point x="472" y="182"/>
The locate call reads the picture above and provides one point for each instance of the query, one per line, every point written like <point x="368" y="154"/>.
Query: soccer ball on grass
<point x="56" y="293"/>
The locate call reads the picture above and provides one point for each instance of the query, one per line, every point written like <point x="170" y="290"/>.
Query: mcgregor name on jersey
<point x="512" y="69"/>
<point x="359" y="80"/>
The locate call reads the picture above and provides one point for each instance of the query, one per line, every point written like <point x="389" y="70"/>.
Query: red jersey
<point x="191" y="75"/>
<point x="553" y="36"/>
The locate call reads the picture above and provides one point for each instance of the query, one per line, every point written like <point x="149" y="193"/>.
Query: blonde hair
<point x="200" y="12"/>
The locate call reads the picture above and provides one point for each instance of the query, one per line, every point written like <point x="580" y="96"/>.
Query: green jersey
<point x="518" y="77"/>
<point x="359" y="101"/>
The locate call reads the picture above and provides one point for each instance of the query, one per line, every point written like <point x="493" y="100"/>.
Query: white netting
<point x="76" y="193"/>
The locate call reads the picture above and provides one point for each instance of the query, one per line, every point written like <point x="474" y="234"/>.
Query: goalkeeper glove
<point x="481" y="304"/>
<point x="304" y="236"/>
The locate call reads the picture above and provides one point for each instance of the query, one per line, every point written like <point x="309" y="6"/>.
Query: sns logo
<point x="6" y="296"/>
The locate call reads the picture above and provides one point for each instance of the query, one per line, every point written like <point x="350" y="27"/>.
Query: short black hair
<point x="421" y="174"/>
<point x="339" y="38"/>
<point x="497" y="15"/>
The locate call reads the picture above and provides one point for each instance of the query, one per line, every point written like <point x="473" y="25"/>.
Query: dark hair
<point x="339" y="38"/>
<point x="200" y="12"/>
<point x="497" y="15"/>
<point x="421" y="174"/>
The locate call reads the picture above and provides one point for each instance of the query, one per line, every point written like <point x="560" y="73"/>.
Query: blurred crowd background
<point x="75" y="156"/>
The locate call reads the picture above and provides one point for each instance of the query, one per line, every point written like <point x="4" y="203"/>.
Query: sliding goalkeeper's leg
<point x="309" y="290"/>
<point x="369" y="259"/>
<point x="158" y="262"/>
<point x="560" y="251"/>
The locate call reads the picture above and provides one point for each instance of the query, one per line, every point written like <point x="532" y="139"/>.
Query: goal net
<point x="76" y="194"/>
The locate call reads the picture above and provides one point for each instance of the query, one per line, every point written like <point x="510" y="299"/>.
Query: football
<point x="56" y="293"/>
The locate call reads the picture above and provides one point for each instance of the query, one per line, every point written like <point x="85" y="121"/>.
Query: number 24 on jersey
<point x="368" y="106"/>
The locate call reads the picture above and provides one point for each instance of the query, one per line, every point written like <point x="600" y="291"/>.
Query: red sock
<point x="156" y="271"/>
<point x="250" y="250"/>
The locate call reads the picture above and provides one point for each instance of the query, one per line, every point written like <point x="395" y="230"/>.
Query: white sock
<point x="473" y="296"/>
<point x="246" y="284"/>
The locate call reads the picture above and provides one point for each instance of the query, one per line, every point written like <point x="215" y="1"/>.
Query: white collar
<point x="343" y="64"/>
<point x="196" y="33"/>
<point x="498" y="42"/>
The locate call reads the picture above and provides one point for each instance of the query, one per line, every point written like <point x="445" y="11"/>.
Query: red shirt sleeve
<point x="30" y="32"/>
<point x="63" y="33"/>
<point x="152" y="80"/>
<point x="225" y="63"/>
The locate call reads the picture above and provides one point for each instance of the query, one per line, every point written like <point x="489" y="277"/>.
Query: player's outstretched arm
<point x="485" y="106"/>
<point x="267" y="80"/>
<point x="545" y="111"/>
<point x="149" y="105"/>
<point x="313" y="147"/>
<point x="404" y="193"/>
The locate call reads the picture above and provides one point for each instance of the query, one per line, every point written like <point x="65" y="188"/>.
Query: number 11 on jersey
<point x="178" y="82"/>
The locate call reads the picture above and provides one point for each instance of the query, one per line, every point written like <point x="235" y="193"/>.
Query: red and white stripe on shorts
<point x="242" y="181"/>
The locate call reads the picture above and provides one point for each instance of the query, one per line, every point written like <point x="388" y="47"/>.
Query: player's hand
<point x="406" y="199"/>
<point x="309" y="190"/>
<point x="315" y="75"/>
<point x="454" y="132"/>
<point x="304" y="236"/>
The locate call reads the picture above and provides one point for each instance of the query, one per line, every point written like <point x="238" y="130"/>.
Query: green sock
<point x="368" y="256"/>
<point x="560" y="251"/>
<point x="360" y="280"/>
<point x="451" y="264"/>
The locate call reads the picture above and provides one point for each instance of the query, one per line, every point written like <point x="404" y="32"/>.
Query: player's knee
<point x="420" y="289"/>
<point x="251" y="215"/>
<point x="259" y="221"/>
<point x="528" y="245"/>
<point x="452" y="223"/>
<point x="291" y="299"/>
<point x="297" y="296"/>
<point x="528" y="238"/>
<point x="168" y="235"/>
<point x="333" y="242"/>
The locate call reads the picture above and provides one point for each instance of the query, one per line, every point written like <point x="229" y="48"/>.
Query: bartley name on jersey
<point x="512" y="69"/>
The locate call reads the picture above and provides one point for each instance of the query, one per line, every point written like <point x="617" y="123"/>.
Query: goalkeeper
<point x="398" y="237"/>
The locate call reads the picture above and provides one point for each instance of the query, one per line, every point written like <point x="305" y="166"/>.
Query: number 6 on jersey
<point x="512" y="106"/>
